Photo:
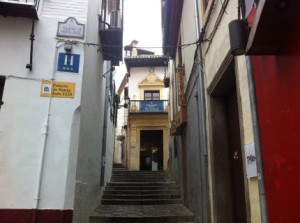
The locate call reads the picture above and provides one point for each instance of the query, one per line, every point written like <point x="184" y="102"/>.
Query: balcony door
<point x="151" y="95"/>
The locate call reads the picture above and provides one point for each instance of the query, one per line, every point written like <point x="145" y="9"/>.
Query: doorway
<point x="229" y="186"/>
<point x="151" y="150"/>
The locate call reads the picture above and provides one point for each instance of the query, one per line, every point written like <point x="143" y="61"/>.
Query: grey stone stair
<point x="141" y="196"/>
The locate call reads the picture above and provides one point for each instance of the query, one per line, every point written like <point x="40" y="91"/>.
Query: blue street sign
<point x="68" y="62"/>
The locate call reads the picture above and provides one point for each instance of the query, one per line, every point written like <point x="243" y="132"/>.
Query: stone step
<point x="142" y="213"/>
<point x="141" y="188"/>
<point x="129" y="172"/>
<point x="140" y="196"/>
<point x="137" y="197"/>
<point x="145" y="192"/>
<point x="143" y="183"/>
<point x="140" y="201"/>
<point x="162" y="219"/>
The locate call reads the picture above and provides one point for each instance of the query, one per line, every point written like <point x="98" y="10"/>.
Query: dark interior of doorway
<point x="151" y="150"/>
<point x="229" y="176"/>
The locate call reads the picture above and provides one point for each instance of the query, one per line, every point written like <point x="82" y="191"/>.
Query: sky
<point x="142" y="22"/>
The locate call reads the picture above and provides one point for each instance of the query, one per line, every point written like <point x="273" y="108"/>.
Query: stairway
<point x="141" y="196"/>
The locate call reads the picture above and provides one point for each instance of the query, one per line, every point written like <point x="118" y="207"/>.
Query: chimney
<point x="134" y="43"/>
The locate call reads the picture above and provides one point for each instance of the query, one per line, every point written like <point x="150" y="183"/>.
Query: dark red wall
<point x="277" y="82"/>
<point x="40" y="216"/>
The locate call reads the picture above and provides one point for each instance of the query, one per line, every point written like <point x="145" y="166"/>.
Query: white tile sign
<point x="250" y="160"/>
<point x="71" y="28"/>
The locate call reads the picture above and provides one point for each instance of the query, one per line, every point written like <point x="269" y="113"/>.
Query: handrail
<point x="148" y="106"/>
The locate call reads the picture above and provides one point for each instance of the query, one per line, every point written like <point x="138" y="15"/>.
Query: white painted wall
<point x="24" y="113"/>
<point x="137" y="74"/>
<point x="74" y="143"/>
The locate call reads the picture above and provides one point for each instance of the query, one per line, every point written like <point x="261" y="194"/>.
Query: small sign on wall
<point x="250" y="160"/>
<point x="70" y="28"/>
<point x="68" y="62"/>
<point x="58" y="89"/>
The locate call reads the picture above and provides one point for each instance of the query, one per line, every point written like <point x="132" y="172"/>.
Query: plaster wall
<point x="215" y="51"/>
<point x="216" y="48"/>
<point x="72" y="163"/>
<point x="247" y="135"/>
<point x="24" y="113"/>
<point x="95" y="124"/>
<point x="137" y="75"/>
<point x="188" y="36"/>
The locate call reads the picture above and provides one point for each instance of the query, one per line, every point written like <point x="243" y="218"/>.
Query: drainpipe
<point x="202" y="124"/>
<point x="45" y="132"/>
<point x="103" y="161"/>
<point x="257" y="143"/>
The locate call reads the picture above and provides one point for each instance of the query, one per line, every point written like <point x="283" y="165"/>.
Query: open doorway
<point x="151" y="150"/>
<point x="229" y="187"/>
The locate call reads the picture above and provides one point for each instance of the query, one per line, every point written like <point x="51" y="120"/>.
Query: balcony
<point x="20" y="8"/>
<point x="111" y="37"/>
<point x="148" y="106"/>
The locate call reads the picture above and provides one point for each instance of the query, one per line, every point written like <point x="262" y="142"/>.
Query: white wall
<point x="74" y="143"/>
<point x="23" y="115"/>
<point x="137" y="74"/>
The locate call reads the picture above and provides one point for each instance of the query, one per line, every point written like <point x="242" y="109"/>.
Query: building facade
<point x="57" y="107"/>
<point x="212" y="139"/>
<point x="144" y="130"/>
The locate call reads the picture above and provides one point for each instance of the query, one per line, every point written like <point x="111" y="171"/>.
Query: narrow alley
<point x="150" y="111"/>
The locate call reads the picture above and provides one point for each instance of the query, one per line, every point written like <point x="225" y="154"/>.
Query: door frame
<point x="221" y="169"/>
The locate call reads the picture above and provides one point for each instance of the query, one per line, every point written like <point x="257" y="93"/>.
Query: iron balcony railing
<point x="20" y="8"/>
<point x="32" y="2"/>
<point x="148" y="106"/>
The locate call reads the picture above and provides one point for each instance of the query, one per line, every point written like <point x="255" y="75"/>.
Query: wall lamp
<point x="68" y="47"/>
<point x="126" y="103"/>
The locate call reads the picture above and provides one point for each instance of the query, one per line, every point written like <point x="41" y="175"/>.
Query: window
<point x="151" y="95"/>
<point x="2" y="82"/>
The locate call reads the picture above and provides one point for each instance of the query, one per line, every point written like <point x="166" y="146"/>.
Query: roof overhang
<point x="171" y="24"/>
<point x="146" y="61"/>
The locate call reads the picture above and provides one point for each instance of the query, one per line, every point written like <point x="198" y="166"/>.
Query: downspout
<point x="103" y="159"/>
<point x="29" y="66"/>
<point x="257" y="143"/>
<point x="45" y="132"/>
<point x="202" y="124"/>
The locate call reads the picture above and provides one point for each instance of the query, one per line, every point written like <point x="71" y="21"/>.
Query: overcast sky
<point x="142" y="22"/>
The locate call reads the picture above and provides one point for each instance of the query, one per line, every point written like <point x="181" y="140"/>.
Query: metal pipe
<point x="104" y="140"/>
<point x="44" y="146"/>
<point x="257" y="143"/>
<point x="29" y="66"/>
<point x="202" y="124"/>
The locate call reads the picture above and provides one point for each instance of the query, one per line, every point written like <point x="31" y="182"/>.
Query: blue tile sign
<point x="152" y="106"/>
<point x="68" y="62"/>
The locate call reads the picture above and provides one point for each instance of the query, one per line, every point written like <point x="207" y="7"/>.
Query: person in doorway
<point x="148" y="163"/>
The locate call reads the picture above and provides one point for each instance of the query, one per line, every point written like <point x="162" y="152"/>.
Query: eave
<point x="171" y="25"/>
<point x="146" y="61"/>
